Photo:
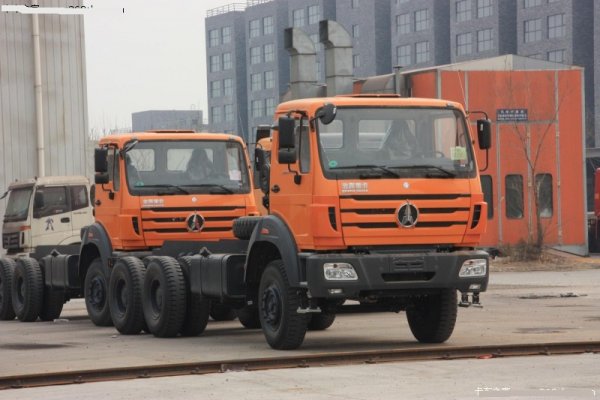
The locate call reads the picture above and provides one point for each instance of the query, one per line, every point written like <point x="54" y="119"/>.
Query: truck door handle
<point x="65" y="220"/>
<point x="275" y="189"/>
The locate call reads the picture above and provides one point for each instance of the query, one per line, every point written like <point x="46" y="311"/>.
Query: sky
<point x="151" y="56"/>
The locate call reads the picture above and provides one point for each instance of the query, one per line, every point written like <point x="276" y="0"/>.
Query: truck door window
<point x="303" y="145"/>
<point x="113" y="168"/>
<point x="54" y="201"/>
<point x="79" y="197"/>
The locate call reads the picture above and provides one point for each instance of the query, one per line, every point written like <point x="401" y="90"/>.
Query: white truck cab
<point x="47" y="211"/>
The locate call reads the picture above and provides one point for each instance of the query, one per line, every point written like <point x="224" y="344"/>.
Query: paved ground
<point x="518" y="308"/>
<point x="530" y="378"/>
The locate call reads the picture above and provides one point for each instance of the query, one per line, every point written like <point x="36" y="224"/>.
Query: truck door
<point x="81" y="212"/>
<point x="108" y="198"/>
<point x="51" y="222"/>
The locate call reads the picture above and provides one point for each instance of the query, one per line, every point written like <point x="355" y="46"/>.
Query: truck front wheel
<point x="164" y="299"/>
<point x="125" y="295"/>
<point x="278" y="303"/>
<point x="27" y="289"/>
<point x="96" y="294"/>
<point x="7" y="268"/>
<point x="432" y="317"/>
<point x="321" y="321"/>
<point x="248" y="316"/>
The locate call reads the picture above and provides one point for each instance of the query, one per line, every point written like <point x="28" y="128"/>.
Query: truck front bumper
<point x="396" y="274"/>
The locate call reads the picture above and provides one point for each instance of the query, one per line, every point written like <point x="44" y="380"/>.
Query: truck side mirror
<point x="101" y="178"/>
<point x="327" y="113"/>
<point x="287" y="150"/>
<point x="484" y="133"/>
<point x="101" y="160"/>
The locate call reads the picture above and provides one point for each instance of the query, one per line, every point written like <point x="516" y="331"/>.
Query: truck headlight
<point x="473" y="268"/>
<point x="339" y="272"/>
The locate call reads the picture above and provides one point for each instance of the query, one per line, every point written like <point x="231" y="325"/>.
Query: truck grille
<point x="10" y="240"/>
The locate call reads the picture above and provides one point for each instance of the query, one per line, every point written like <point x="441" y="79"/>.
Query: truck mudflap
<point x="61" y="271"/>
<point x="218" y="276"/>
<point x="389" y="274"/>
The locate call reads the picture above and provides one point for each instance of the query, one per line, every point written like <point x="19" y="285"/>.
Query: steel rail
<point x="297" y="361"/>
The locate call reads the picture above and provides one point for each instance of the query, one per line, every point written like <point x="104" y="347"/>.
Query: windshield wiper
<point x="215" y="185"/>
<point x="449" y="174"/>
<point x="383" y="168"/>
<point x="166" y="185"/>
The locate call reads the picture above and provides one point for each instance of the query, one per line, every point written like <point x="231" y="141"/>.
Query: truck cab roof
<point x="121" y="139"/>
<point x="50" y="181"/>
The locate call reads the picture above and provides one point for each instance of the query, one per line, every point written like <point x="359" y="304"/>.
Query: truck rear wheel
<point x="248" y="317"/>
<point x="125" y="295"/>
<point x="7" y="268"/>
<point x="278" y="303"/>
<point x="244" y="226"/>
<point x="320" y="321"/>
<point x="221" y="312"/>
<point x="27" y="289"/>
<point x="432" y="317"/>
<point x="52" y="305"/>
<point x="197" y="308"/>
<point x="164" y="298"/>
<point x="95" y="290"/>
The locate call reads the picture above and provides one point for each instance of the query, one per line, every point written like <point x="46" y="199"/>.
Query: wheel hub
<point x="97" y="292"/>
<point x="157" y="297"/>
<point x="271" y="305"/>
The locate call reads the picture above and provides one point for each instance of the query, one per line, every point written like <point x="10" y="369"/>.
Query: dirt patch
<point x="551" y="260"/>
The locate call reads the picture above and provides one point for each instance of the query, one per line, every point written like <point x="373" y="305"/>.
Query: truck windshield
<point x="18" y="204"/>
<point x="186" y="167"/>
<point x="363" y="143"/>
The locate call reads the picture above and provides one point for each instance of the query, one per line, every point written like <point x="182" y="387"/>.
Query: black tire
<point x="197" y="308"/>
<point x="52" y="305"/>
<point x="320" y="321"/>
<point x="432" y="317"/>
<point x="7" y="268"/>
<point x="164" y="297"/>
<point x="248" y="317"/>
<point x="125" y="295"/>
<point x="244" y="226"/>
<point x="27" y="289"/>
<point x="221" y="312"/>
<point x="95" y="291"/>
<point x="278" y="303"/>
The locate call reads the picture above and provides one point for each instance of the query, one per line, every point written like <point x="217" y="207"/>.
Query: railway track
<point x="296" y="361"/>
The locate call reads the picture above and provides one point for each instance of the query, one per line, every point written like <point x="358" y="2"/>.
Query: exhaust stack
<point x="303" y="61"/>
<point x="338" y="57"/>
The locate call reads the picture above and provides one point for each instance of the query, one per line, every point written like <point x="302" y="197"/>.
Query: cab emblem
<point x="195" y="222"/>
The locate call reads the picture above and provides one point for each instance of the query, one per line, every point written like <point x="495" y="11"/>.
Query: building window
<point x="403" y="55"/>
<point x="488" y="194"/>
<point x="484" y="8"/>
<point x="485" y="40"/>
<point x="421" y="52"/>
<point x="228" y="112"/>
<point x="298" y="18"/>
<point x="226" y="61"/>
<point x="269" y="80"/>
<point x="557" y="56"/>
<point x="269" y="52"/>
<point x="254" y="55"/>
<point x="226" y="34"/>
<point x="421" y="20"/>
<point x="213" y="38"/>
<point x="556" y="26"/>
<point x="355" y="31"/>
<point x="403" y="23"/>
<point x="531" y="3"/>
<point x="254" y="28"/>
<point x="215" y="89"/>
<point x="257" y="108"/>
<point x="267" y="25"/>
<point x="227" y="87"/>
<point x="543" y="183"/>
<point x="532" y="30"/>
<point x="464" y="44"/>
<point x="270" y="106"/>
<point x="514" y="196"/>
<point x="215" y="114"/>
<point x="255" y="82"/>
<point x="215" y="63"/>
<point x="356" y="61"/>
<point x="463" y="10"/>
<point x="353" y="3"/>
<point x="313" y="15"/>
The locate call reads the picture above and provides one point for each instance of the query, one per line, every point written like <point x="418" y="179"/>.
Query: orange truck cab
<point x="371" y="198"/>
